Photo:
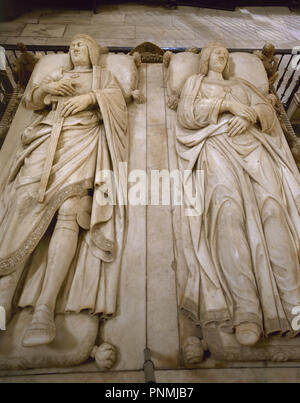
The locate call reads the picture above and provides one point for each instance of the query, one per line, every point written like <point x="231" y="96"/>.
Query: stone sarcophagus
<point x="147" y="205"/>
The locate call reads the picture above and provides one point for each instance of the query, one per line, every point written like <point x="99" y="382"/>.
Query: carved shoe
<point x="41" y="329"/>
<point x="247" y="334"/>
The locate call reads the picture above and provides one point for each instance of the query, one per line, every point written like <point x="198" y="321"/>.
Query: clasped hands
<point x="244" y="117"/>
<point x="65" y="88"/>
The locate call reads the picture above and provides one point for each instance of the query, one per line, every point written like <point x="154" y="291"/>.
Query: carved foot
<point x="247" y="334"/>
<point x="41" y="329"/>
<point x="105" y="356"/>
<point x="193" y="351"/>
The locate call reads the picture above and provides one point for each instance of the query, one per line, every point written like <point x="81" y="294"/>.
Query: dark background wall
<point x="10" y="9"/>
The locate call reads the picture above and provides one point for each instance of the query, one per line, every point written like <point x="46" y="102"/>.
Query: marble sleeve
<point x="265" y="111"/>
<point x="207" y="111"/>
<point x="29" y="100"/>
<point x="194" y="110"/>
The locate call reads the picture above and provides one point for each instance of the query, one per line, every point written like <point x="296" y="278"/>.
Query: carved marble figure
<point x="243" y="250"/>
<point x="270" y="61"/>
<point x="60" y="246"/>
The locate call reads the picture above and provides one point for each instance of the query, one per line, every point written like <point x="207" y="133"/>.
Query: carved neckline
<point x="79" y="71"/>
<point x="224" y="83"/>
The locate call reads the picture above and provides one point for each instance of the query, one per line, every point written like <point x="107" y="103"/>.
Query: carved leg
<point x="283" y="247"/>
<point x="228" y="239"/>
<point x="283" y="255"/>
<point x="61" y="253"/>
<point x="62" y="250"/>
<point x="235" y="260"/>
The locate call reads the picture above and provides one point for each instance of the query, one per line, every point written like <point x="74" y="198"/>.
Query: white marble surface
<point x="128" y="329"/>
<point x="184" y="27"/>
<point x="162" y="324"/>
<point x="40" y="72"/>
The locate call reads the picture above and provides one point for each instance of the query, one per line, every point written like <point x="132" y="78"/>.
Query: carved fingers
<point x="60" y="88"/>
<point x="249" y="114"/>
<point x="243" y="111"/>
<point x="237" y="125"/>
<point x="75" y="105"/>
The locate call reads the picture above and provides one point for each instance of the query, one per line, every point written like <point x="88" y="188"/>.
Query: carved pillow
<point x="181" y="66"/>
<point x="122" y="66"/>
<point x="124" y="69"/>
<point x="46" y="65"/>
<point x="249" y="67"/>
<point x="241" y="64"/>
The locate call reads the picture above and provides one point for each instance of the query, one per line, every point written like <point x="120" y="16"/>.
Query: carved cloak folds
<point x="245" y="172"/>
<point x="90" y="142"/>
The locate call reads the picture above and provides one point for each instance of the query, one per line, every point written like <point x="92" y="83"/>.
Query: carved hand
<point x="237" y="125"/>
<point x="62" y="88"/>
<point x="76" y="104"/>
<point x="243" y="111"/>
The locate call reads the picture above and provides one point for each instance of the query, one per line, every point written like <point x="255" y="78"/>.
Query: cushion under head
<point x="241" y="65"/>
<point x="182" y="66"/>
<point x="121" y="65"/>
<point x="248" y="67"/>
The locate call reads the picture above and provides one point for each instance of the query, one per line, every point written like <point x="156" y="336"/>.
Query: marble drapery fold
<point x="90" y="141"/>
<point x="243" y="251"/>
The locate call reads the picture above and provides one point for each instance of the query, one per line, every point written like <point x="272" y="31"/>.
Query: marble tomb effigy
<point x="82" y="276"/>
<point x="65" y="261"/>
<point x="241" y="250"/>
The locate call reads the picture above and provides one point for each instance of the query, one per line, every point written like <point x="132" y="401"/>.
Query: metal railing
<point x="287" y="84"/>
<point x="288" y="81"/>
<point x="6" y="90"/>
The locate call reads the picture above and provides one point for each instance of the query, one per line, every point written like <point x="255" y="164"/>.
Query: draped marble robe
<point x="248" y="179"/>
<point x="90" y="142"/>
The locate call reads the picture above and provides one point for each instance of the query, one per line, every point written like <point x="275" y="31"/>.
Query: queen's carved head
<point x="214" y="56"/>
<point x="84" y="51"/>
